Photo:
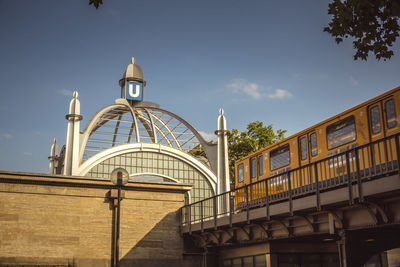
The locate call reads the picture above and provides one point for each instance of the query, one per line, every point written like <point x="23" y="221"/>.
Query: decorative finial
<point x="55" y="140"/>
<point x="221" y="111"/>
<point x="75" y="94"/>
<point x="133" y="60"/>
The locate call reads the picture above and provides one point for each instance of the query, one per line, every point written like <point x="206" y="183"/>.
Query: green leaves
<point x="96" y="3"/>
<point x="256" y="137"/>
<point x="242" y="144"/>
<point x="372" y="23"/>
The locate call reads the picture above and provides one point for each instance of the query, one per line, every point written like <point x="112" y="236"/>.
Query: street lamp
<point x="119" y="177"/>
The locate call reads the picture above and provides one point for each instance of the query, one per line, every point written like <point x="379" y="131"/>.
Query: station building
<point x="68" y="217"/>
<point x="151" y="143"/>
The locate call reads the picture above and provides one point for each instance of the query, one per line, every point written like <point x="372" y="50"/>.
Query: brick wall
<point x="62" y="220"/>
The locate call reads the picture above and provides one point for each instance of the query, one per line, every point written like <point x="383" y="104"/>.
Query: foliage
<point x="256" y="137"/>
<point x="240" y="145"/>
<point x="95" y="3"/>
<point x="198" y="151"/>
<point x="372" y="23"/>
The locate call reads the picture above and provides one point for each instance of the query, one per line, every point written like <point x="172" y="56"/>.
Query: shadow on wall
<point x="162" y="246"/>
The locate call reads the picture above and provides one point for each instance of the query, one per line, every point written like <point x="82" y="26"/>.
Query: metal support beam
<point x="342" y="250"/>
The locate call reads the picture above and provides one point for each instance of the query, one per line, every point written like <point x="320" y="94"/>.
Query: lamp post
<point x="119" y="177"/>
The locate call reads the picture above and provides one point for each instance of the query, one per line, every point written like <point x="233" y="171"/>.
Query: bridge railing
<point x="344" y="169"/>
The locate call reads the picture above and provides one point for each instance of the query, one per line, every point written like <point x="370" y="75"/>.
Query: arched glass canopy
<point x="148" y="142"/>
<point x="144" y="123"/>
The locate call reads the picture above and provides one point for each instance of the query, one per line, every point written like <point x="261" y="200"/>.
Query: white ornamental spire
<point x="74" y="117"/>
<point x="223" y="164"/>
<point x="53" y="157"/>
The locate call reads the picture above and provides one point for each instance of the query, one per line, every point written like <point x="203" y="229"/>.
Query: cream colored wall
<point x="59" y="220"/>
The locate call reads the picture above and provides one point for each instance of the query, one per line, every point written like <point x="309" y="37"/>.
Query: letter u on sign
<point x="134" y="91"/>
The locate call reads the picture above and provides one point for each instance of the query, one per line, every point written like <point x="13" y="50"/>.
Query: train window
<point x="240" y="173"/>
<point x="260" y="166"/>
<point x="390" y="114"/>
<point x="279" y="157"/>
<point x="303" y="148"/>
<point x="313" y="144"/>
<point x="253" y="168"/>
<point x="341" y="132"/>
<point x="375" y="120"/>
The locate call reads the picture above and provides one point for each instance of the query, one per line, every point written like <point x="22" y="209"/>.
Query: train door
<point x="376" y="130"/>
<point x="390" y="126"/>
<point x="305" y="147"/>
<point x="382" y="119"/>
<point x="382" y="122"/>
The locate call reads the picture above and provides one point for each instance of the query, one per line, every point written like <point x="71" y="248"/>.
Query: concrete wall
<point x="65" y="220"/>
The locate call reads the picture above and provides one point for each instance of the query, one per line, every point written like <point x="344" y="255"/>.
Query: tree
<point x="256" y="137"/>
<point x="372" y="23"/>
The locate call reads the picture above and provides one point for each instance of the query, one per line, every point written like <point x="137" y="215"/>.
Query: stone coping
<point x="80" y="181"/>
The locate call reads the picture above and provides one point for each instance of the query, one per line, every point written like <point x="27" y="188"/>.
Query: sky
<point x="257" y="59"/>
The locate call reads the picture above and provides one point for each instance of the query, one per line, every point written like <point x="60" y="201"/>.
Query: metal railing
<point x="345" y="169"/>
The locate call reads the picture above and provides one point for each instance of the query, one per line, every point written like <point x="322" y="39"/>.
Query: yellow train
<point x="359" y="142"/>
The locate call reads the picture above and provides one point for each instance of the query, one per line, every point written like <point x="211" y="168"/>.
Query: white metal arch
<point x="148" y="147"/>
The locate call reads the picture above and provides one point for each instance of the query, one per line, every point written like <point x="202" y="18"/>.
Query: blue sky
<point x="256" y="59"/>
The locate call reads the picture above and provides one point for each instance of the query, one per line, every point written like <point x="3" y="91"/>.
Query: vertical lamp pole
<point x="119" y="184"/>
<point x="119" y="177"/>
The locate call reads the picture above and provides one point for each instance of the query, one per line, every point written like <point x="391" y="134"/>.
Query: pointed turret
<point x="72" y="145"/>
<point x="223" y="163"/>
<point x="223" y="184"/>
<point x="132" y="83"/>
<point x="53" y="157"/>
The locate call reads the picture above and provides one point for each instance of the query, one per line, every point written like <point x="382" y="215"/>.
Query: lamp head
<point x="119" y="176"/>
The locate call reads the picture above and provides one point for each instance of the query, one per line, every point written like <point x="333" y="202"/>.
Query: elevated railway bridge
<point x="341" y="210"/>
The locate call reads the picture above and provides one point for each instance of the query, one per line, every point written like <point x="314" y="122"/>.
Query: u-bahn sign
<point x="134" y="91"/>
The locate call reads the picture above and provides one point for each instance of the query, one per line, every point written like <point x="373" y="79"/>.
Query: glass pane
<point x="374" y="261"/>
<point x="313" y="143"/>
<point x="240" y="173"/>
<point x="260" y="166"/>
<point x="288" y="260"/>
<point x="227" y="263"/>
<point x="253" y="168"/>
<point x="248" y="261"/>
<point x="390" y="114"/>
<point x="303" y="148"/>
<point x="330" y="260"/>
<point x="260" y="261"/>
<point x="280" y="157"/>
<point x="237" y="262"/>
<point x="341" y="132"/>
<point x="375" y="120"/>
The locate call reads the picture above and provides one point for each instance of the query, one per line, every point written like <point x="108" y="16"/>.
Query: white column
<point x="223" y="184"/>
<point x="53" y="157"/>
<point x="71" y="162"/>
<point x="223" y="163"/>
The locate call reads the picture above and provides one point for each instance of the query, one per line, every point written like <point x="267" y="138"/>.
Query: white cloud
<point x="353" y="81"/>
<point x="66" y="92"/>
<point x="243" y="86"/>
<point x="208" y="136"/>
<point x="256" y="91"/>
<point x="280" y="94"/>
<point x="27" y="154"/>
<point x="5" y="136"/>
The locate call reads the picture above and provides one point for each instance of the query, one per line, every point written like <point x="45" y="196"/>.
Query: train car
<point x="267" y="170"/>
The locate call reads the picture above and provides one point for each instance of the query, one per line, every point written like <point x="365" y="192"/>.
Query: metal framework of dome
<point x="145" y="140"/>
<point x="146" y="122"/>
